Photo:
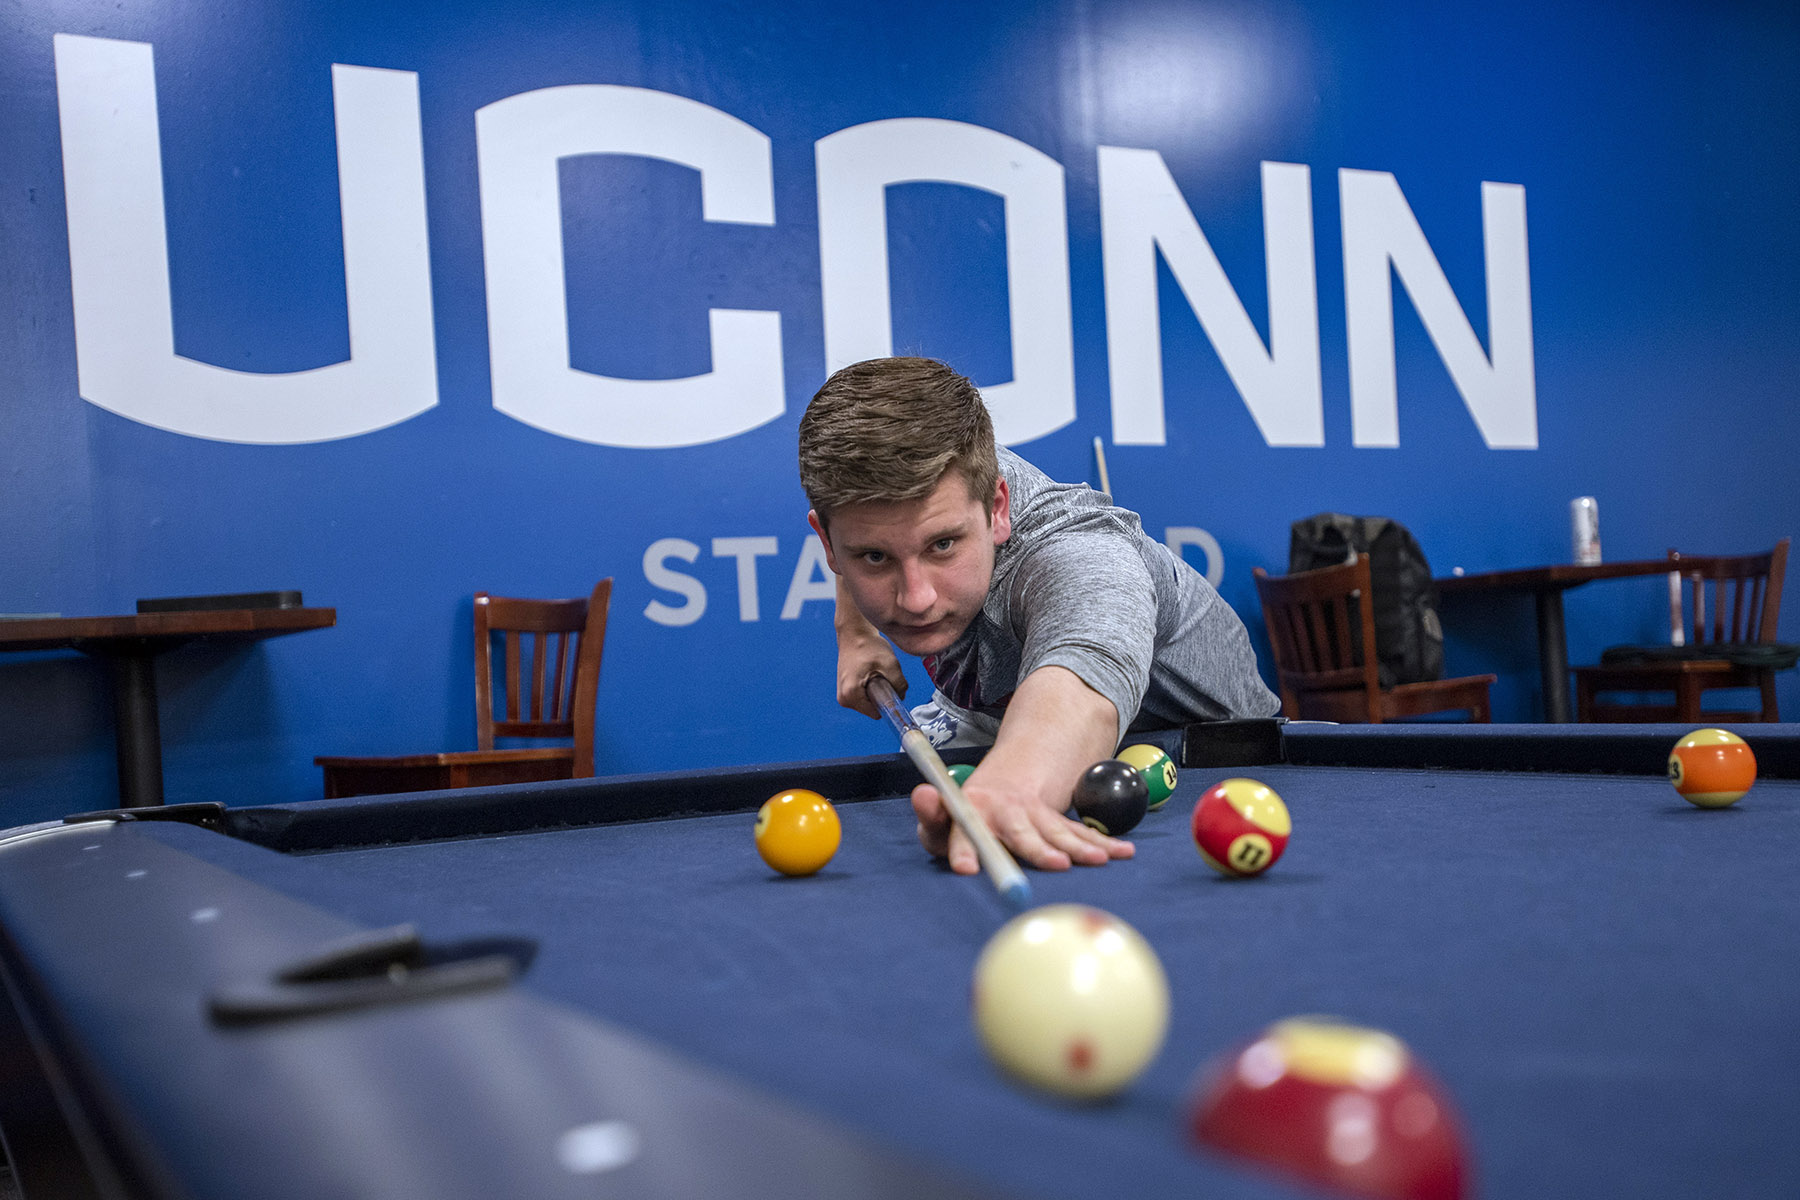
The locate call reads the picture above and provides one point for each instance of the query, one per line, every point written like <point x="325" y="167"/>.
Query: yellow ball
<point x="797" y="831"/>
<point x="1072" y="1000"/>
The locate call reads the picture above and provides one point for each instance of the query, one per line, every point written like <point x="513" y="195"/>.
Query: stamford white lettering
<point x="811" y="578"/>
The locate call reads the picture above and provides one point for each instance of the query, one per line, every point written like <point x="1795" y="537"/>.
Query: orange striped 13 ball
<point x="1712" y="768"/>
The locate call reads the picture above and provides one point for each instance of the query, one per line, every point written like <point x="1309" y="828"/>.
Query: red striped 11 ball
<point x="1241" y="827"/>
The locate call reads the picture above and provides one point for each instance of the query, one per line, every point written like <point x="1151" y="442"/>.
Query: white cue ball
<point x="1072" y="1000"/>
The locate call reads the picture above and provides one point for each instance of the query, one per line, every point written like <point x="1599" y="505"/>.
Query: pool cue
<point x="1677" y="634"/>
<point x="1005" y="873"/>
<point x="1100" y="457"/>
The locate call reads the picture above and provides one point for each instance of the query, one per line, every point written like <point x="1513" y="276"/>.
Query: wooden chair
<point x="1720" y="607"/>
<point x="548" y="679"/>
<point x="1322" y="632"/>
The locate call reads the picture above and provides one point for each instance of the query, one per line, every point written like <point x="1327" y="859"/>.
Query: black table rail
<point x="323" y="825"/>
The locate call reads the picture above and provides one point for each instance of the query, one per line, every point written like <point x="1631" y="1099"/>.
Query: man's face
<point x="919" y="569"/>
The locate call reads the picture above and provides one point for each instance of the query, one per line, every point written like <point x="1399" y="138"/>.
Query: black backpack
<point x="1409" y="641"/>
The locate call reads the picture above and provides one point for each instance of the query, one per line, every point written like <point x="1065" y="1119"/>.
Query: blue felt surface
<point x="1603" y="976"/>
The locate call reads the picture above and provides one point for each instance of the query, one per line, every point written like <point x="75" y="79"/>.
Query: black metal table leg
<point x="135" y="728"/>
<point x="1553" y="654"/>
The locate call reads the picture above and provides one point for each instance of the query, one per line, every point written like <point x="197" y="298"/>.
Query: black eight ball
<point x="1111" y="796"/>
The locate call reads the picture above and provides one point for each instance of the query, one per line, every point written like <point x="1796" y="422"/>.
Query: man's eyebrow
<point x="954" y="528"/>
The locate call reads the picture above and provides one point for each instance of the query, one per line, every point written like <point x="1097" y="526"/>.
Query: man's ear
<point x="1002" y="512"/>
<point x="812" y="518"/>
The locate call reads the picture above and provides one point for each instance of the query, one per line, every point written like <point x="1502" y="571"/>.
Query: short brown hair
<point x="888" y="429"/>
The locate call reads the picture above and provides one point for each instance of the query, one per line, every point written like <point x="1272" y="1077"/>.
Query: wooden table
<point x="1547" y="585"/>
<point x="130" y="645"/>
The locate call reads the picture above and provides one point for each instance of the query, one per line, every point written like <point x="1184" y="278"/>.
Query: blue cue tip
<point x="1019" y="895"/>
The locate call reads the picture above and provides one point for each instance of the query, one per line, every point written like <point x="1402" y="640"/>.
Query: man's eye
<point x="874" y="557"/>
<point x="943" y="545"/>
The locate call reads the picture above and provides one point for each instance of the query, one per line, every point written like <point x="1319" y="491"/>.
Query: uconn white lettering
<point x="124" y="341"/>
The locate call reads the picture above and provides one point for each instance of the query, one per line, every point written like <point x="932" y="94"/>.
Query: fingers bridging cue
<point x="1008" y="880"/>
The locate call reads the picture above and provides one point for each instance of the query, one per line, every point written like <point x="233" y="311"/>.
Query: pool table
<point x="596" y="988"/>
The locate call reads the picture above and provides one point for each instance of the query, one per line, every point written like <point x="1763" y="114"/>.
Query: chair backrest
<point x="1322" y="633"/>
<point x="548" y="671"/>
<point x="1730" y="598"/>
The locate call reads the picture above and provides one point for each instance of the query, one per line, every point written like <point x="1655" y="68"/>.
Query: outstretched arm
<point x="1055" y="727"/>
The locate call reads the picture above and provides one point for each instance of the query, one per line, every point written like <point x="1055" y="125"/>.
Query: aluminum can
<point x="1584" y="529"/>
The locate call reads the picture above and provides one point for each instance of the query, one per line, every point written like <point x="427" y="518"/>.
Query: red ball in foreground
<point x="1338" y="1106"/>
<point x="1712" y="768"/>
<point x="1241" y="827"/>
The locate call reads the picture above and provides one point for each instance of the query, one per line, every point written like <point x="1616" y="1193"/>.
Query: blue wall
<point x="1657" y="148"/>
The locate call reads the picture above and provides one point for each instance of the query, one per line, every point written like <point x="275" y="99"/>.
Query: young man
<point x="1049" y="621"/>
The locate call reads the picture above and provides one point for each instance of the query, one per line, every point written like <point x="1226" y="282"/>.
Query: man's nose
<point x="917" y="594"/>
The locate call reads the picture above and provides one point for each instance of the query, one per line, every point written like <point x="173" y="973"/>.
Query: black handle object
<point x="383" y="966"/>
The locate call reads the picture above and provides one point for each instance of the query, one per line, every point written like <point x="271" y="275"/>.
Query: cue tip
<point x="1018" y="894"/>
